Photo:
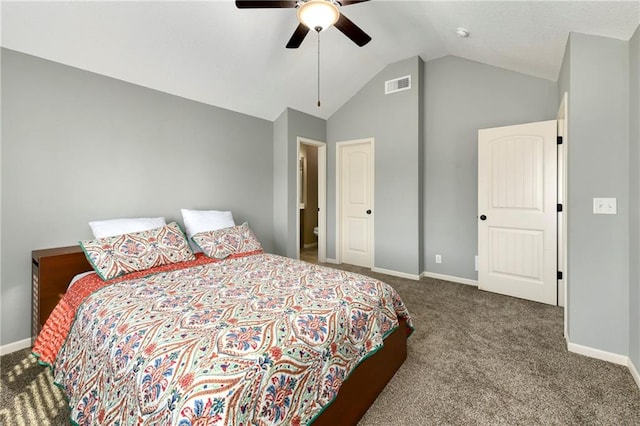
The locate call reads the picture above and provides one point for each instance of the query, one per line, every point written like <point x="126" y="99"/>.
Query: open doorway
<point x="311" y="216"/>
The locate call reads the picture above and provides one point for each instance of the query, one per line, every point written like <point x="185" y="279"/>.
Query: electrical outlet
<point x="438" y="258"/>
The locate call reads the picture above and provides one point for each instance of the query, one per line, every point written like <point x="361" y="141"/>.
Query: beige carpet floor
<point x="476" y="358"/>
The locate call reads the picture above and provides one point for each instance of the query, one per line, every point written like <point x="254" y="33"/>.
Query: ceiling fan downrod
<point x="318" y="29"/>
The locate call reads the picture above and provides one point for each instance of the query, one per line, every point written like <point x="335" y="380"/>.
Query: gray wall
<point x="598" y="166"/>
<point x="634" y="199"/>
<point x="287" y="128"/>
<point x="564" y="77"/>
<point x="77" y="146"/>
<point x="394" y="122"/>
<point x="280" y="185"/>
<point x="422" y="96"/>
<point x="463" y="96"/>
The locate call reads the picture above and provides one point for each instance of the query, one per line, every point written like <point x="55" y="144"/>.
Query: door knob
<point x="368" y="211"/>
<point x="483" y="217"/>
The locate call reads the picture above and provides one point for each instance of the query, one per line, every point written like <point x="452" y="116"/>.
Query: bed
<point x="210" y="341"/>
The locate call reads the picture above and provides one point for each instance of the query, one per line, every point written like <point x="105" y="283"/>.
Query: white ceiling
<point x="212" y="52"/>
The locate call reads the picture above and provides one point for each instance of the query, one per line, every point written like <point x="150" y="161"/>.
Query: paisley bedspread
<point x="257" y="340"/>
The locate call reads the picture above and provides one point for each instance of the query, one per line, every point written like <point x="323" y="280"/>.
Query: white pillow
<point x="196" y="221"/>
<point x="111" y="227"/>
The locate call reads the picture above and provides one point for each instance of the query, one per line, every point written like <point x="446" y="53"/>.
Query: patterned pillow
<point x="225" y="242"/>
<point x="137" y="251"/>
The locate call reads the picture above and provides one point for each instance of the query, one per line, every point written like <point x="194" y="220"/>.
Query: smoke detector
<point x="462" y="32"/>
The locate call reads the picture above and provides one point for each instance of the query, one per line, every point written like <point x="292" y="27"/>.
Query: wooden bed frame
<point x="54" y="268"/>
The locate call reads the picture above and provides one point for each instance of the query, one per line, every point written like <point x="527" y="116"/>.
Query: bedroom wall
<point x="598" y="150"/>
<point x="394" y="122"/>
<point x="78" y="146"/>
<point x="461" y="97"/>
<point x="564" y="77"/>
<point x="280" y="178"/>
<point x="634" y="199"/>
<point x="290" y="125"/>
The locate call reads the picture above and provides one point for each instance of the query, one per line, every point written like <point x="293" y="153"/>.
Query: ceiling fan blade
<point x="348" y="2"/>
<point x="264" y="4"/>
<point x="298" y="36"/>
<point x="352" y="31"/>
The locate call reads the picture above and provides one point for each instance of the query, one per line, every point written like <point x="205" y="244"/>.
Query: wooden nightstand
<point x="52" y="271"/>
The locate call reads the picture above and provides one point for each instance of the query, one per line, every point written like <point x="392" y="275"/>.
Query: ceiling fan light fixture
<point x="318" y="15"/>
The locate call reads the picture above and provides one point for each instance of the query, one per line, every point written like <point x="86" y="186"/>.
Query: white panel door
<point x="517" y="203"/>
<point x="356" y="172"/>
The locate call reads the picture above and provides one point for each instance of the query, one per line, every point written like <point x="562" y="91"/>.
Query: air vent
<point x="397" y="85"/>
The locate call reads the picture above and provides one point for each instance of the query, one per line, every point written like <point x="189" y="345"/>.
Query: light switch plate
<point x="605" y="206"/>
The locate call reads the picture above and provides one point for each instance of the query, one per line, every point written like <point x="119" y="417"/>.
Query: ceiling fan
<point x="317" y="15"/>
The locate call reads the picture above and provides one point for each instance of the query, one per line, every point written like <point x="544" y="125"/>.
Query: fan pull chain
<point x="318" y="29"/>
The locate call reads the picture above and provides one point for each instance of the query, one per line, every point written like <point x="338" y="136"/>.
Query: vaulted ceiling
<point x="212" y="52"/>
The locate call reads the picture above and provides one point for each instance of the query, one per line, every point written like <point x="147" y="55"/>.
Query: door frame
<point x="339" y="147"/>
<point x="563" y="217"/>
<point x="322" y="196"/>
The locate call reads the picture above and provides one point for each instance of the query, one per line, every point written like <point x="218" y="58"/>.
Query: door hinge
<point x="559" y="275"/>
<point x="559" y="140"/>
<point x="559" y="207"/>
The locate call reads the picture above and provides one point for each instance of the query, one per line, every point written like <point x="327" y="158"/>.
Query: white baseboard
<point x="598" y="354"/>
<point x="396" y="273"/>
<point x="451" y="278"/>
<point x="634" y="372"/>
<point x="384" y="271"/>
<point x="15" y="346"/>
<point x="310" y="245"/>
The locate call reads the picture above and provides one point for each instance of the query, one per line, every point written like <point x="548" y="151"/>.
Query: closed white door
<point x="356" y="199"/>
<point x="517" y="206"/>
